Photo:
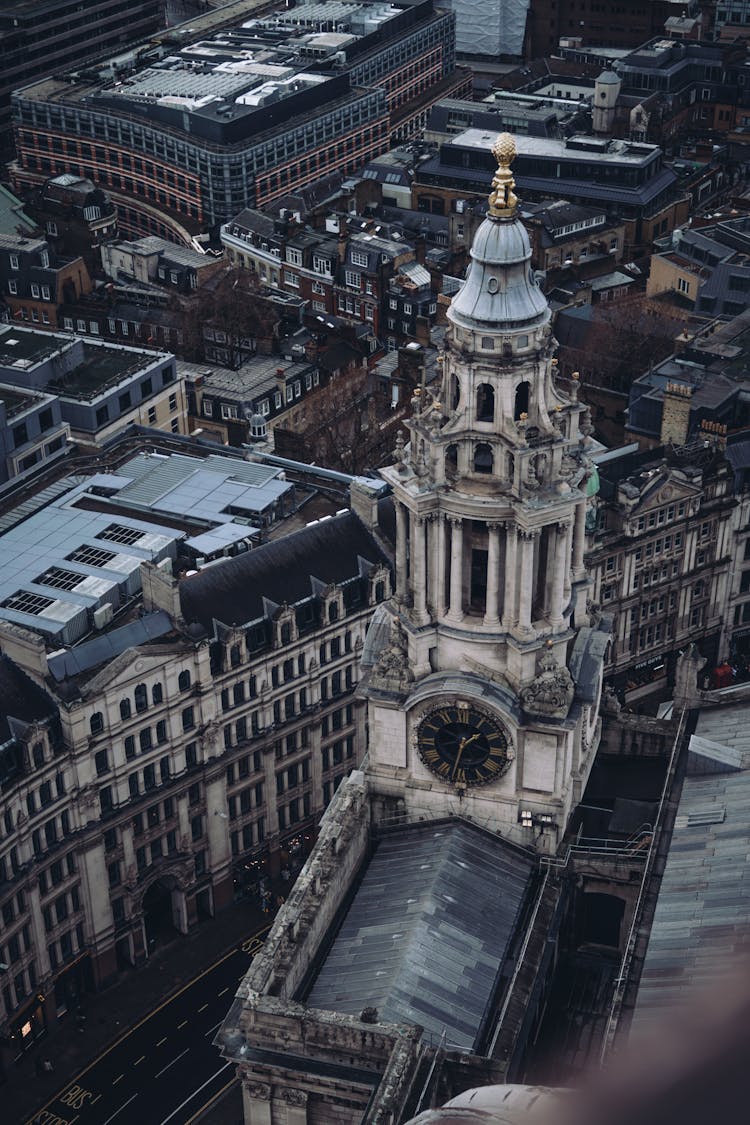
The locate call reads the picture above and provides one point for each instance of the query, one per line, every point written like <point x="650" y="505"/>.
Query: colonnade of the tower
<point x="493" y="573"/>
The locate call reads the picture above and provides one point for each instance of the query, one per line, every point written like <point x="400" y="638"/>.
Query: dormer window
<point x="44" y="256"/>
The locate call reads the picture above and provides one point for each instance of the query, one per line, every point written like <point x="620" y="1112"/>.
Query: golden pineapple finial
<point x="503" y="199"/>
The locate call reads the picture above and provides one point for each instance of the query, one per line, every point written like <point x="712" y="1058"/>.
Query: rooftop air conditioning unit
<point x="103" y="615"/>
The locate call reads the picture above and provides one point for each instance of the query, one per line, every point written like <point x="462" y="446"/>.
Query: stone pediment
<point x="663" y="487"/>
<point x="127" y="669"/>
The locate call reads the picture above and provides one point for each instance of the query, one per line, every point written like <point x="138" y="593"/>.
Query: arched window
<point x="333" y="611"/>
<point x="235" y="656"/>
<point x="455" y="392"/>
<point x="451" y="461"/>
<point x="522" y="400"/>
<point x="157" y="693"/>
<point x="183" y="680"/>
<point x="485" y="403"/>
<point x="380" y="591"/>
<point x="124" y="708"/>
<point x="511" y="467"/>
<point x="483" y="458"/>
<point x="141" y="697"/>
<point x="96" y="722"/>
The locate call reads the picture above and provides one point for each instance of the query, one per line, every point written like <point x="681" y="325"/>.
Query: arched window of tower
<point x="511" y="467"/>
<point x="451" y="461"/>
<point x="455" y="392"/>
<point x="485" y="403"/>
<point x="522" y="401"/>
<point x="483" y="458"/>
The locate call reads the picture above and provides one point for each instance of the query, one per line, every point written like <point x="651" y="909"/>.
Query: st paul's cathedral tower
<point x="484" y="688"/>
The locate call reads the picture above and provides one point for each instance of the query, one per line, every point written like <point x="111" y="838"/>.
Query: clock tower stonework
<point x="483" y="675"/>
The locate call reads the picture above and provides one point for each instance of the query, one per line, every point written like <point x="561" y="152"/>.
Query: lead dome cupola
<point x="500" y="292"/>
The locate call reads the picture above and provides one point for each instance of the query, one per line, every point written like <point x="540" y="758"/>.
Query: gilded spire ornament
<point x="503" y="199"/>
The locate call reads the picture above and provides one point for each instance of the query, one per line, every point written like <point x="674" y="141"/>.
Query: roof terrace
<point x="102" y="368"/>
<point x="15" y="401"/>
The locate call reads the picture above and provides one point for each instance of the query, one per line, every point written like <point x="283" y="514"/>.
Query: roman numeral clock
<point x="464" y="744"/>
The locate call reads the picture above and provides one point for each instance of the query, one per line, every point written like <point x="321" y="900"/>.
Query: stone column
<point x="510" y="608"/>
<point x="455" y="610"/>
<point x="437" y="565"/>
<point x="567" y="546"/>
<point x="493" y="575"/>
<point x="419" y="569"/>
<point x="526" y="579"/>
<point x="295" y="1107"/>
<point x="559" y="567"/>
<point x="401" y="576"/>
<point x="256" y="1102"/>
<point x="579" y="540"/>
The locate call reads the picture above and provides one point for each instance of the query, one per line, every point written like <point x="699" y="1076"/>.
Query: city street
<point x="164" y="1069"/>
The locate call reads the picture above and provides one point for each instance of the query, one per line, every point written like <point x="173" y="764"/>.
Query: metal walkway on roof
<point x="38" y="501"/>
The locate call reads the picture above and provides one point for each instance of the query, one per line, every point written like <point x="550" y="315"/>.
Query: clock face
<point x="463" y="744"/>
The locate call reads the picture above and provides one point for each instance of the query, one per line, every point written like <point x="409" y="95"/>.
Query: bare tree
<point x="623" y="339"/>
<point x="343" y="425"/>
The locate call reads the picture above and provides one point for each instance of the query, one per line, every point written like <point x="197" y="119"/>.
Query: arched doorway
<point x="158" y="913"/>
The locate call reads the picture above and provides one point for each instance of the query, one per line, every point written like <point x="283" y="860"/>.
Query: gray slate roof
<point x="428" y="931"/>
<point x="236" y="591"/>
<point x="702" y="917"/>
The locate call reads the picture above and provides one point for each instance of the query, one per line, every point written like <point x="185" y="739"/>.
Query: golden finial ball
<point x="504" y="149"/>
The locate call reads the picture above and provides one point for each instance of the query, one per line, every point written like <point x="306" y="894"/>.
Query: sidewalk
<point x="109" y="1014"/>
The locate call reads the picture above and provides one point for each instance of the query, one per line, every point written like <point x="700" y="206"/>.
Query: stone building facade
<point x="666" y="543"/>
<point x="173" y="760"/>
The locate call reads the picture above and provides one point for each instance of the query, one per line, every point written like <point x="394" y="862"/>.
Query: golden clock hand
<point x="458" y="757"/>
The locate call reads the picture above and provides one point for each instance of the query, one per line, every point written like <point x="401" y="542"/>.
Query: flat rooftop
<point x="611" y="152"/>
<point x="103" y="367"/>
<point x="21" y="347"/>
<point x="428" y="931"/>
<point x="15" y="400"/>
